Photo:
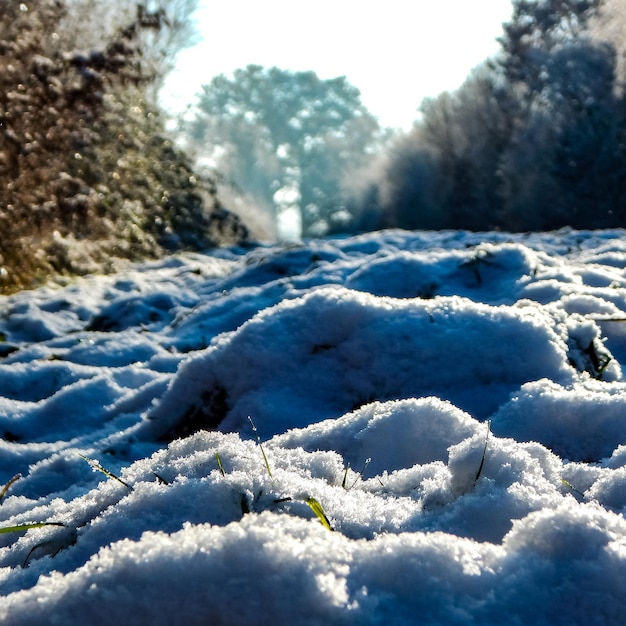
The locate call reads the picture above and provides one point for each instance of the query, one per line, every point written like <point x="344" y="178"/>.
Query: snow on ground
<point x="454" y="402"/>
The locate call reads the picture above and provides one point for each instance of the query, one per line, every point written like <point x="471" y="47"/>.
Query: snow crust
<point x="455" y="402"/>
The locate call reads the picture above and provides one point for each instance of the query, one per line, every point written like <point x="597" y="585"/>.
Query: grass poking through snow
<point x="28" y="526"/>
<point x="317" y="508"/>
<point x="482" y="461"/>
<point x="219" y="463"/>
<point x="97" y="467"/>
<point x="258" y="439"/>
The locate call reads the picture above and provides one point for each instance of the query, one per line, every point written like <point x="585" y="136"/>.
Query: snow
<point x="454" y="401"/>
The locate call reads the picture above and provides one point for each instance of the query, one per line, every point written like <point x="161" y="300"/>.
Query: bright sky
<point x="396" y="52"/>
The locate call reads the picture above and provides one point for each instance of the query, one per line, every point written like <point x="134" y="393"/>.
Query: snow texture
<point x="455" y="402"/>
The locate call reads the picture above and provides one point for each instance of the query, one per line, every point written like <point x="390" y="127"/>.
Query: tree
<point x="565" y="164"/>
<point x="466" y="132"/>
<point x="536" y="28"/>
<point x="445" y="172"/>
<point x="287" y="138"/>
<point x="535" y="139"/>
<point x="565" y="161"/>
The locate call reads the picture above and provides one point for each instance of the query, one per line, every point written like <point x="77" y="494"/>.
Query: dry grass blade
<point x="608" y="319"/>
<point x="482" y="461"/>
<point x="3" y="491"/>
<point x="258" y="439"/>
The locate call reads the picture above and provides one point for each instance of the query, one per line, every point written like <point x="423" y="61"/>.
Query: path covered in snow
<point x="454" y="402"/>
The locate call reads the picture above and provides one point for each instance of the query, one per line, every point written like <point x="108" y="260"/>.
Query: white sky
<point x="396" y="52"/>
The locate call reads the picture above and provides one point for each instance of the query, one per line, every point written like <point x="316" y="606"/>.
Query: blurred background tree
<point x="287" y="139"/>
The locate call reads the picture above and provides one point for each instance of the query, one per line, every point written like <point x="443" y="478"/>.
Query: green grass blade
<point x="317" y="508"/>
<point x="21" y="527"/>
<point x="219" y="463"/>
<point x="359" y="475"/>
<point x="580" y="493"/>
<point x="96" y="466"/>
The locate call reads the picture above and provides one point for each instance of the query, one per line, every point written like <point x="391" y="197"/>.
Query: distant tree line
<point x="534" y="140"/>
<point x="87" y="172"/>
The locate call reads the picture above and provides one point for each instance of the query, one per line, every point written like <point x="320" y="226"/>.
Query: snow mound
<point x="550" y="413"/>
<point x="334" y="349"/>
<point x="437" y="436"/>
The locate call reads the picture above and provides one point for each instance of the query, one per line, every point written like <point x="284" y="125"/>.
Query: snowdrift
<point x="438" y="436"/>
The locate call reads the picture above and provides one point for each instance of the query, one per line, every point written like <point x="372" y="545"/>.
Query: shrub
<point x="86" y="171"/>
